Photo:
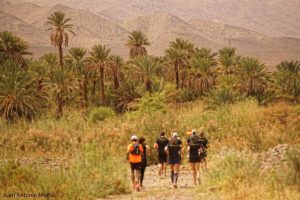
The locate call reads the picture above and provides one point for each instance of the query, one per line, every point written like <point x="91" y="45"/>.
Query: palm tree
<point x="61" y="86"/>
<point x="39" y="72"/>
<point x="178" y="54"/>
<point x="50" y="59"/>
<point x="100" y="59"/>
<point x="18" y="95"/>
<point x="77" y="60"/>
<point x="145" y="68"/>
<point x="182" y="44"/>
<point x="205" y="53"/>
<point x="287" y="80"/>
<point x="136" y="43"/>
<point x="201" y="76"/>
<point x="116" y="65"/>
<point x="60" y="27"/>
<point x="252" y="75"/>
<point x="13" y="47"/>
<point x="227" y="57"/>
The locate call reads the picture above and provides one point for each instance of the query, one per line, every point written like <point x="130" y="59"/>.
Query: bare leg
<point x="137" y="175"/>
<point x="160" y="169"/>
<point x="197" y="167"/>
<point x="172" y="173"/>
<point x="176" y="174"/>
<point x="165" y="168"/>
<point x="205" y="164"/>
<point x="132" y="178"/>
<point x="193" y="168"/>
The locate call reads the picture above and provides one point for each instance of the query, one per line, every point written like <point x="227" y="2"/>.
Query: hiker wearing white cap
<point x="178" y="140"/>
<point x="134" y="155"/>
<point x="174" y="151"/>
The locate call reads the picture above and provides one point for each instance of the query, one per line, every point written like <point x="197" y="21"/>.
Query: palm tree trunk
<point x="40" y="84"/>
<point x="59" y="106"/>
<point x="116" y="82"/>
<point x="148" y="85"/>
<point x="176" y="68"/>
<point x="101" y="86"/>
<point x="84" y="88"/>
<point x="60" y="51"/>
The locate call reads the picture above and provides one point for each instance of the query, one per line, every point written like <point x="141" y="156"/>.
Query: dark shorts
<point x="173" y="161"/>
<point x="194" y="159"/>
<point x="135" y="166"/>
<point x="162" y="157"/>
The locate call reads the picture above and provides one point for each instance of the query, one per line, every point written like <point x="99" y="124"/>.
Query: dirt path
<point x="160" y="187"/>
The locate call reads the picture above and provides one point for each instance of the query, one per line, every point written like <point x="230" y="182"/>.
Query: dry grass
<point x="243" y="126"/>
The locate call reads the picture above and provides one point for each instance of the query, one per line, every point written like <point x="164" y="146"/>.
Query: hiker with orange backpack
<point x="134" y="154"/>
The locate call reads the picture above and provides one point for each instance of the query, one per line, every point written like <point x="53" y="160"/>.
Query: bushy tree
<point x="19" y="97"/>
<point x="252" y="75"/>
<point x="287" y="80"/>
<point x="136" y="44"/>
<point x="144" y="68"/>
<point x="13" y="47"/>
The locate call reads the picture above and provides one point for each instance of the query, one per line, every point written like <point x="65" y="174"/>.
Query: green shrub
<point x="151" y="103"/>
<point x="101" y="113"/>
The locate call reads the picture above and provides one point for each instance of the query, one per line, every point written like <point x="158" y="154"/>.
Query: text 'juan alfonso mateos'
<point x="28" y="195"/>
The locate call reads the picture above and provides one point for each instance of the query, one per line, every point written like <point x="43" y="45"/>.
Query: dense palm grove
<point x="88" y="78"/>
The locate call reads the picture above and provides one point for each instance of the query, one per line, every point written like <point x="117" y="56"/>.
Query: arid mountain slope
<point x="29" y="21"/>
<point x="32" y="35"/>
<point x="270" y="17"/>
<point x="161" y="28"/>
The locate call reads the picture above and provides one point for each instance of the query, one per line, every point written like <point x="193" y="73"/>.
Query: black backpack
<point x="194" y="139"/>
<point x="136" y="149"/>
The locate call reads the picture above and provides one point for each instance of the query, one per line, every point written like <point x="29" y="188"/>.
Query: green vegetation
<point x="84" y="106"/>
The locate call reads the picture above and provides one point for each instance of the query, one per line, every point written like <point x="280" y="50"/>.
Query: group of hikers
<point x="169" y="151"/>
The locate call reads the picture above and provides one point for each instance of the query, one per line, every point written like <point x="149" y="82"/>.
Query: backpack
<point x="136" y="149"/>
<point x="194" y="139"/>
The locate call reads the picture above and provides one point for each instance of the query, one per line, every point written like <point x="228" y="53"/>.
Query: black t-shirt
<point x="174" y="151"/>
<point x="144" y="156"/>
<point x="203" y="142"/>
<point x="162" y="143"/>
<point x="194" y="149"/>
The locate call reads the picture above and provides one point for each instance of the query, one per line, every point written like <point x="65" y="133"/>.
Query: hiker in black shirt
<point x="194" y="151"/>
<point x="146" y="151"/>
<point x="204" y="145"/>
<point x="193" y="134"/>
<point x="160" y="145"/>
<point x="174" y="152"/>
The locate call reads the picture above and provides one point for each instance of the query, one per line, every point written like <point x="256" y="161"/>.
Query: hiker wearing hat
<point x="177" y="138"/>
<point x="134" y="155"/>
<point x="174" y="152"/>
<point x="193" y="136"/>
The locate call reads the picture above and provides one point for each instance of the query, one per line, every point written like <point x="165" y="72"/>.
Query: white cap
<point x="193" y="131"/>
<point x="134" y="137"/>
<point x="174" y="134"/>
